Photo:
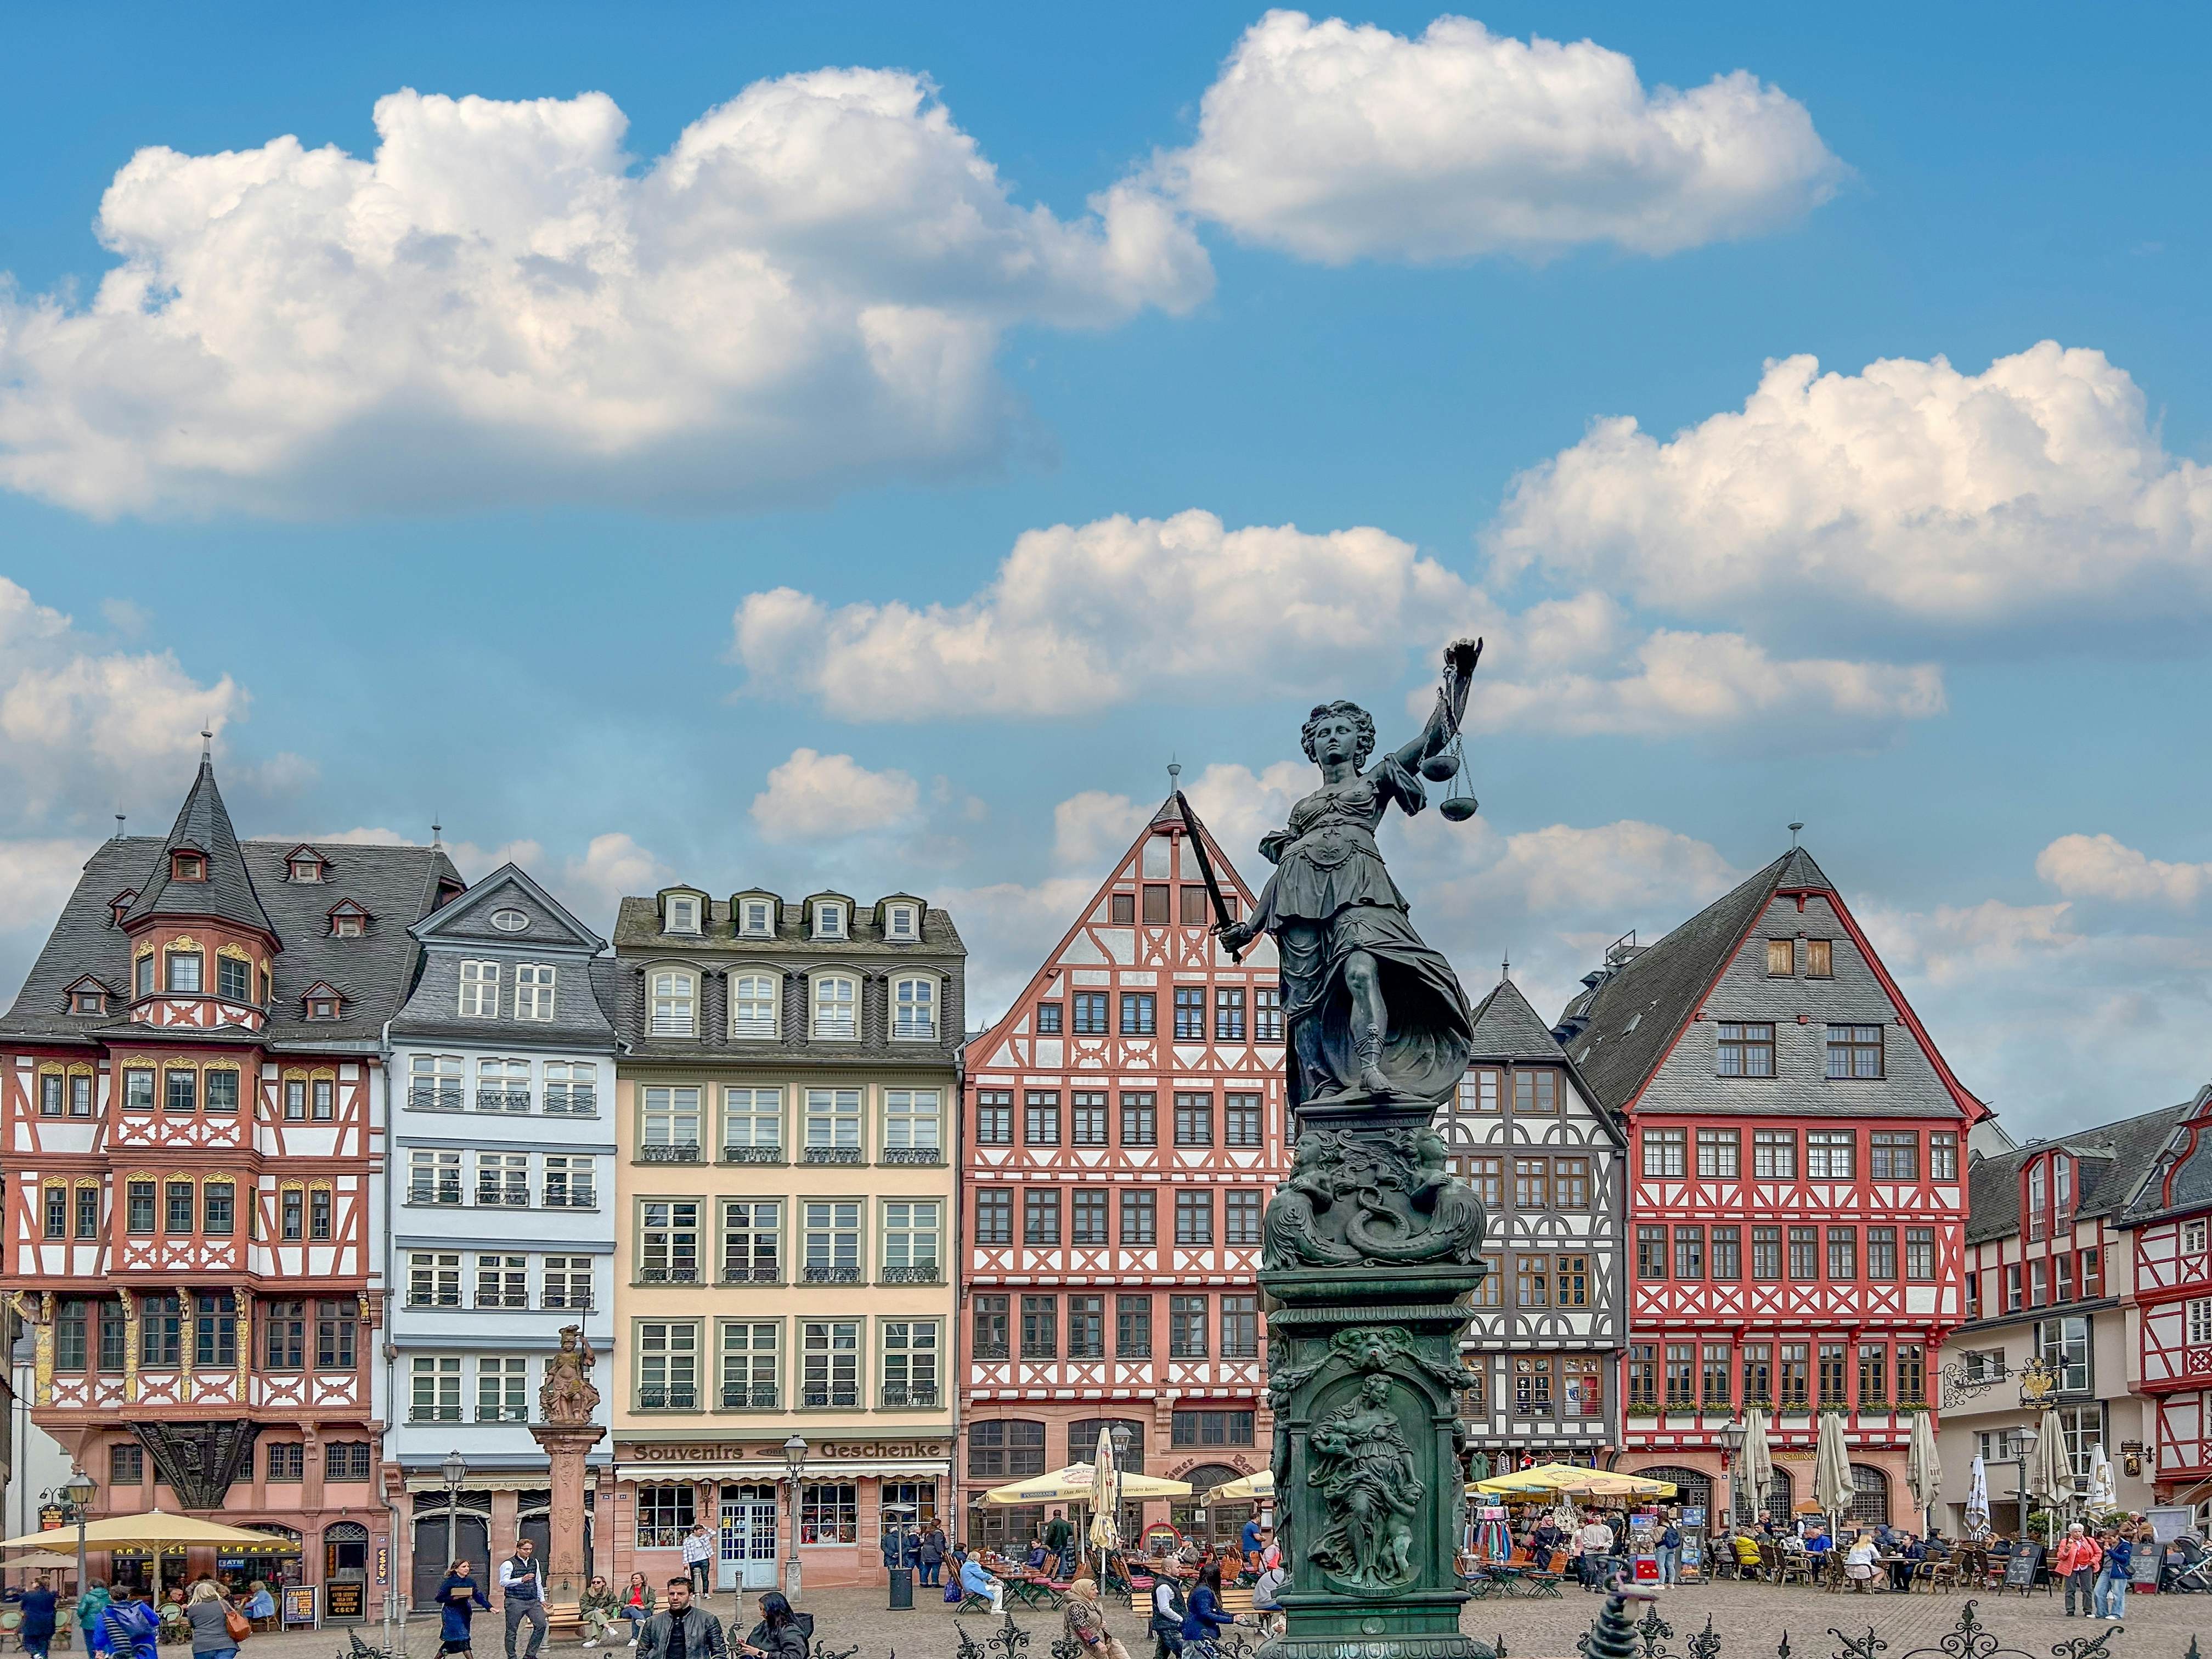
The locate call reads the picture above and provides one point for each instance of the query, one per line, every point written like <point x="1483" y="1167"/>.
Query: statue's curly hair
<point x="1363" y="724"/>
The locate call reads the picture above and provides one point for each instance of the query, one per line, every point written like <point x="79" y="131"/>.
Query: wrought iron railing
<point x="921" y="1273"/>
<point x="914" y="1155"/>
<point x="750" y="1396"/>
<point x="831" y="1155"/>
<point x="503" y="1100"/>
<point x="677" y="1275"/>
<point x="688" y="1153"/>
<point x="435" y="1097"/>
<point x="908" y="1395"/>
<point x="833" y="1395"/>
<point x="752" y="1155"/>
<point x="833" y="1275"/>
<point x="673" y="1397"/>
<point x="754" y="1273"/>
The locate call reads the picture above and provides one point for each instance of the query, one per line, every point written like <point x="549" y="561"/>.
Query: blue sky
<point x="860" y="445"/>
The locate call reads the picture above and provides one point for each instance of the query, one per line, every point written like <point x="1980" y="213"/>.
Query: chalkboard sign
<point x="343" y="1598"/>
<point x="2019" y="1571"/>
<point x="299" y="1604"/>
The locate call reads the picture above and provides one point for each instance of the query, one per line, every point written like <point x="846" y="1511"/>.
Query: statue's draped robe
<point x="1331" y="895"/>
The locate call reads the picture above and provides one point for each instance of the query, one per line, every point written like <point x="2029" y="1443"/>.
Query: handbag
<point x="236" y="1623"/>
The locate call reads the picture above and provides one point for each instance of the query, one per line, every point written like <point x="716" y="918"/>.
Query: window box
<point x="913" y="1154"/>
<point x="752" y="1155"/>
<point x="831" y="1155"/>
<point x="678" y="1397"/>
<point x="685" y="1154"/>
<point x="750" y="1397"/>
<point x="833" y="1275"/>
<point x="922" y="1273"/>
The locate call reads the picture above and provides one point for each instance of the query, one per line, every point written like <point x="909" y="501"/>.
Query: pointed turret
<point x="200" y="871"/>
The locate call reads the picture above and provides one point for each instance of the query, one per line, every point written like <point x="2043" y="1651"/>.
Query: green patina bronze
<point x="1370" y="1248"/>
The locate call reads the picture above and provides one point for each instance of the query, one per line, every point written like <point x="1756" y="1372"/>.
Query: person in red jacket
<point x="2076" y="1562"/>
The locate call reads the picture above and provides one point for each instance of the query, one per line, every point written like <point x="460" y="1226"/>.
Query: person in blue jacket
<point x="458" y="1597"/>
<point x="37" y="1632"/>
<point x="1203" y="1619"/>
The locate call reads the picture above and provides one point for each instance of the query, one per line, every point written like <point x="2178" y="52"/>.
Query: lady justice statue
<point x="1374" y="1014"/>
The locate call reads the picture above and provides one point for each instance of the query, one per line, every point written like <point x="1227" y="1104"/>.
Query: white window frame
<point x="437" y="1166"/>
<point x="441" y="1403"/>
<point x="670" y="1348"/>
<point x="571" y="1182"/>
<point x="914" y="1018"/>
<point x="685" y="913"/>
<point x="433" y="1279"/>
<point x="501" y="1277"/>
<point x="307" y="870"/>
<point x="823" y="925"/>
<point x="506" y="1077"/>
<point x="901" y="923"/>
<point x="753" y="992"/>
<point x="755" y="1109"/>
<point x="833" y="1117"/>
<point x="673" y="1005"/>
<point x="830" y="1360"/>
<point x="666" y="1105"/>
<point x="2198" y="1311"/>
<point x="752" y="1358"/>
<point x="843" y="1024"/>
<point x="534" y="990"/>
<point x="573" y="1275"/>
<point x="757" y="918"/>
<point x="838" y="1224"/>
<point x="911" y="1231"/>
<point x="913" y="1118"/>
<point x="509" y="1188"/>
<point x="911" y="1356"/>
<point x="502" y="1390"/>
<point x="479" y="996"/>
<point x="563" y="1078"/>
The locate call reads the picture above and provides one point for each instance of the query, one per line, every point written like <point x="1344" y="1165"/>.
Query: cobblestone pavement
<point x="1749" y="1619"/>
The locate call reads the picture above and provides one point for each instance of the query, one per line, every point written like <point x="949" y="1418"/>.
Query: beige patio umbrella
<point x="1758" y="1459"/>
<point x="2050" y="1473"/>
<point x="1257" y="1487"/>
<point x="1105" y="1491"/>
<point x="1075" y="1483"/>
<point x="1923" y="1466"/>
<point x="1831" y="1468"/>
<point x="152" y="1530"/>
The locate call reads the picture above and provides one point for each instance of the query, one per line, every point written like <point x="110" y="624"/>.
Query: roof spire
<point x="1175" y="773"/>
<point x="118" y="826"/>
<point x="207" y="744"/>
<point x="1505" y="966"/>
<point x="437" y="834"/>
<point x="1794" y="828"/>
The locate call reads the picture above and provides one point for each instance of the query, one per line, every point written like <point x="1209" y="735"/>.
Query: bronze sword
<point x="1206" y="868"/>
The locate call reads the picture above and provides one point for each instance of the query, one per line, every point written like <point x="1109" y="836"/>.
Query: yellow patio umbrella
<point x="1257" y="1487"/>
<point x="152" y="1530"/>
<point x="1573" y="1480"/>
<point x="1075" y="1484"/>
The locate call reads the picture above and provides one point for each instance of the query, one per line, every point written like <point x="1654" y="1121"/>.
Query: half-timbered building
<point x="1796" y="1203"/>
<point x="2169" y="1225"/>
<point x="1547" y="1159"/>
<point x="2047" y="1278"/>
<point x="1125" y="1127"/>
<point x="193" y="1104"/>
<point x="501" y="1228"/>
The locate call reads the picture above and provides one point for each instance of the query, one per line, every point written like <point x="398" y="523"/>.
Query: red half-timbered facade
<point x="193" y="1109"/>
<point x="2171" y="1228"/>
<point x="1124" y="1128"/>
<point x="1796" y="1210"/>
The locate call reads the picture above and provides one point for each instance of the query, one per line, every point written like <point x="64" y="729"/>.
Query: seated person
<point x="1747" y="1552"/>
<point x="259" y="1604"/>
<point x="1859" y="1561"/>
<point x="977" y="1581"/>
<point x="1817" y="1542"/>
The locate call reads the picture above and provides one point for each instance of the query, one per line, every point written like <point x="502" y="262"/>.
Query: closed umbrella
<point x="1923" y="1465"/>
<point x="1758" y="1459"/>
<point x="1105" y="1510"/>
<point x="1832" y="1466"/>
<point x="2050" y="1474"/>
<point x="1977" y="1498"/>
<point x="2103" y="1493"/>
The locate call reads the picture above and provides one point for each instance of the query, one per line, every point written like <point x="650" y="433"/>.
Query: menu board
<point x="2019" y="1571"/>
<point x="299" y="1604"/>
<point x="343" y="1598"/>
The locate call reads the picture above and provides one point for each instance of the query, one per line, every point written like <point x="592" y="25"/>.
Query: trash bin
<point x="901" y="1587"/>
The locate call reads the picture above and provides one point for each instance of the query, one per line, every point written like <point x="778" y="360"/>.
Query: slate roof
<point x="373" y="972"/>
<point x="553" y="936"/>
<point x="2110" y="1160"/>
<point x="1507" y="1029"/>
<point x="2191" y="1187"/>
<point x="1664" y="982"/>
<point x="227" y="894"/>
<point x="638" y="932"/>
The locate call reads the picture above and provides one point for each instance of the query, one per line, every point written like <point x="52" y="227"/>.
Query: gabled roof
<point x="2112" y="1162"/>
<point x="1507" y="1029"/>
<point x="450" y="917"/>
<point x="2186" y="1155"/>
<point x="228" y="895"/>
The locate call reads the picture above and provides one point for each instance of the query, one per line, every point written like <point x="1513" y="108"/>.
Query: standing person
<point x="1249" y="1539"/>
<point x="698" y="1552"/>
<point x="2109" y="1599"/>
<point x="132" y="1627"/>
<point x="1059" y="1540"/>
<point x="931" y="1555"/>
<point x="522" y="1587"/>
<point x="1166" y="1621"/>
<point x="205" y="1610"/>
<point x="90" y="1605"/>
<point x="783" y="1632"/>
<point x="683" y="1629"/>
<point x="37" y="1631"/>
<point x="458" y="1597"/>
<point x="1670" y="1553"/>
<point x="1203" y="1619"/>
<point x="2076" y="1562"/>
<point x="1597" y="1545"/>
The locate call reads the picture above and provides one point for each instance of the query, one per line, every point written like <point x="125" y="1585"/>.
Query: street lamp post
<point x="78" y="1490"/>
<point x="1120" y="1437"/>
<point x="1732" y="1439"/>
<point x="794" y="1457"/>
<point x="455" y="1468"/>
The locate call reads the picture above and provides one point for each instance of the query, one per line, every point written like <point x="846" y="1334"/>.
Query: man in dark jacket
<point x="522" y="1583"/>
<point x="932" y="1554"/>
<point x="682" y="1629"/>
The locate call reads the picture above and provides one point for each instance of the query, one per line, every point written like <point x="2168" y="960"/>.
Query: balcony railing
<point x="921" y="1273"/>
<point x="831" y="1155"/>
<point x="669" y="1275"/>
<point x="917" y="1155"/>
<point x="503" y="1100"/>
<point x="439" y="1194"/>
<point x="503" y="1198"/>
<point x="750" y="1396"/>
<point x="751" y="1272"/>
<point x="833" y="1275"/>
<point x="419" y="1413"/>
<point x="837" y="1395"/>
<point x="429" y="1299"/>
<point x="435" y="1097"/>
<point x="909" y="1394"/>
<point x="573" y="1198"/>
<point x="502" y="1413"/>
<point x="997" y="1351"/>
<point x="582" y="1100"/>
<point x="686" y="1153"/>
<point x="675" y="1397"/>
<point x="502" y="1298"/>
<point x="752" y="1155"/>
<point x="567" y="1302"/>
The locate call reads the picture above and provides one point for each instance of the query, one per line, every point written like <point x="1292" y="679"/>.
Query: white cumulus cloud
<point x="2036" y="491"/>
<point x="2103" y="868"/>
<point x="807" y="289"/>
<point x="817" y="797"/>
<point x="1338" y="141"/>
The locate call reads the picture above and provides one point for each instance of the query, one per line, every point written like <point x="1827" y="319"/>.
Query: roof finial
<point x="118" y="826"/>
<point x="1794" y="828"/>
<point x="1175" y="772"/>
<point x="1505" y="966"/>
<point x="437" y="834"/>
<point x="207" y="744"/>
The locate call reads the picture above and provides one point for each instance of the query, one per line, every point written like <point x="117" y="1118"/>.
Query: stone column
<point x="1371" y="1250"/>
<point x="566" y="1446"/>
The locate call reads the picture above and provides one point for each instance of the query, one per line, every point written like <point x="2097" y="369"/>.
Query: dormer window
<point x="828" y="919"/>
<point x="683" y="915"/>
<point x="349" y="920"/>
<point x="836" y="1000"/>
<point x="322" y="1001"/>
<point x="187" y="866"/>
<point x="87" y="996"/>
<point x="306" y="869"/>
<point x="757" y="918"/>
<point x="120" y="904"/>
<point x="901" y="923"/>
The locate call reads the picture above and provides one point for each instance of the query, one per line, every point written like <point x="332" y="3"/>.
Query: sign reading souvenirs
<point x="1370" y="1248"/>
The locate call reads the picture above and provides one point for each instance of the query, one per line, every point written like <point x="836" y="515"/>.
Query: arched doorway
<point x="1222" y="1521"/>
<point x="345" y="1572"/>
<point x="1691" y="1489"/>
<point x="1869" y="1501"/>
<point x="433" y="1551"/>
<point x="1781" y="1501"/>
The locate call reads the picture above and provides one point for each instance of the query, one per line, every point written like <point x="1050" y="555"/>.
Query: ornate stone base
<point x="1365" y="1378"/>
